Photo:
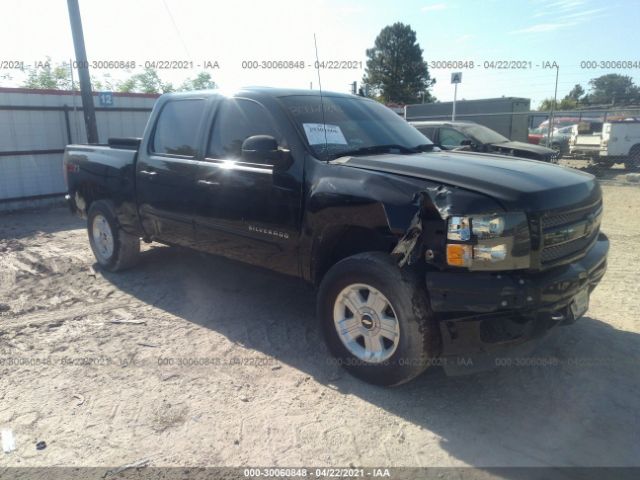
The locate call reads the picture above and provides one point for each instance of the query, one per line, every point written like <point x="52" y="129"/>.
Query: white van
<point x="607" y="143"/>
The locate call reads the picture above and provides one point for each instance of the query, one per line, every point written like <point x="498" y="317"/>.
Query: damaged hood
<point x="521" y="147"/>
<point x="517" y="183"/>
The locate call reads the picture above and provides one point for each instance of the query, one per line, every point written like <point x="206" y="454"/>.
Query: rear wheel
<point x="633" y="160"/>
<point x="113" y="248"/>
<point x="376" y="319"/>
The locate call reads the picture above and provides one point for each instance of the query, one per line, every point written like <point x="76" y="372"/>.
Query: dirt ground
<point x="195" y="360"/>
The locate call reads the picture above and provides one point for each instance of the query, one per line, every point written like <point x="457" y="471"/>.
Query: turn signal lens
<point x="459" y="255"/>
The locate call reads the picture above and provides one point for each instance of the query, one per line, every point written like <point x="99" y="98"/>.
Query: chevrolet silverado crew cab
<point x="420" y="256"/>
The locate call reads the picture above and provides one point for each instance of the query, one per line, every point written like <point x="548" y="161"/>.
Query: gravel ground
<point x="104" y="384"/>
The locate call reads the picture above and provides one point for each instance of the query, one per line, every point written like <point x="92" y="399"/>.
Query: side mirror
<point x="264" y="149"/>
<point x="466" y="143"/>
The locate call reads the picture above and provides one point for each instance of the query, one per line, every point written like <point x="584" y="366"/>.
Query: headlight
<point x="489" y="242"/>
<point x="459" y="229"/>
<point x="488" y="227"/>
<point x="497" y="253"/>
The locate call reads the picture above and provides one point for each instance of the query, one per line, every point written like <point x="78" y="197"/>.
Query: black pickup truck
<point x="420" y="256"/>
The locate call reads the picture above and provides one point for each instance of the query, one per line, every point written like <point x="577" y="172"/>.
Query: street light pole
<point x="553" y="107"/>
<point x="83" y="72"/>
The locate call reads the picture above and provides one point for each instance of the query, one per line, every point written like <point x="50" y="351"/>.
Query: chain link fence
<point x="604" y="142"/>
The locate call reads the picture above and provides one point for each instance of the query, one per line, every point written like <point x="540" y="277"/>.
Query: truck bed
<point x="99" y="171"/>
<point x="97" y="159"/>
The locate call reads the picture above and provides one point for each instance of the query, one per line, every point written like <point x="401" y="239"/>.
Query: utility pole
<point x="83" y="72"/>
<point x="553" y="107"/>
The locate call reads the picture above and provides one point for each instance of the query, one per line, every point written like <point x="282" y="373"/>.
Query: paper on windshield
<point x="316" y="134"/>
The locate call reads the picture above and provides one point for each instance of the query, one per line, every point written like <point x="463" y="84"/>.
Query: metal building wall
<point x="34" y="129"/>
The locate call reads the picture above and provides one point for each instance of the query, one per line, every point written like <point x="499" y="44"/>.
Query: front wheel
<point x="605" y="163"/>
<point x="376" y="319"/>
<point x="113" y="248"/>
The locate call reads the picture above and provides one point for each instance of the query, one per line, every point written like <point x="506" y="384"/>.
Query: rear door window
<point x="177" y="127"/>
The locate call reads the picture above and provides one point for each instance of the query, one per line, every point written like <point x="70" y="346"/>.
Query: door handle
<point x="208" y="183"/>
<point x="149" y="173"/>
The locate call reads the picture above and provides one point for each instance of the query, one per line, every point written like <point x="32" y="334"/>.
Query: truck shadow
<point x="573" y="402"/>
<point x="24" y="224"/>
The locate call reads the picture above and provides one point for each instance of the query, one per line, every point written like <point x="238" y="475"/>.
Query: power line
<point x="175" y="26"/>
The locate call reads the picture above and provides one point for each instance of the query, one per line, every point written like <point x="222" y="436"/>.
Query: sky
<point x="229" y="32"/>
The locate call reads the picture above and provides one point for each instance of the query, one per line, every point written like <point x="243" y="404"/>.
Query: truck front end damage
<point x="498" y="281"/>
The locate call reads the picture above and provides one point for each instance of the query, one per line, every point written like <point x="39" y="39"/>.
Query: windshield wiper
<point x="373" y="149"/>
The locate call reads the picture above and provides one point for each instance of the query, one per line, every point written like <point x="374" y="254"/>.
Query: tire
<point x="605" y="163"/>
<point x="410" y="338"/>
<point x="632" y="162"/>
<point x="114" y="249"/>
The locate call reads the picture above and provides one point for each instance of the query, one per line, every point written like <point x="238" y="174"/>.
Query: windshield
<point x="351" y="124"/>
<point x="564" y="130"/>
<point x="483" y="134"/>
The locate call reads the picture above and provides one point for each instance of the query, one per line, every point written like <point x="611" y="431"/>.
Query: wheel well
<point x="344" y="242"/>
<point x="86" y="194"/>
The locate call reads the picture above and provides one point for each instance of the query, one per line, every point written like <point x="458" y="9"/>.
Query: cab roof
<point x="258" y="92"/>
<point x="438" y="123"/>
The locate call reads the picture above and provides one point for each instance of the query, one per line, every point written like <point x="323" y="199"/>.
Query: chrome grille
<point x="551" y="219"/>
<point x="556" y="252"/>
<point x="569" y="233"/>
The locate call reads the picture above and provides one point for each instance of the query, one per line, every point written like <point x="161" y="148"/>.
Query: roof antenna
<point x="324" y="125"/>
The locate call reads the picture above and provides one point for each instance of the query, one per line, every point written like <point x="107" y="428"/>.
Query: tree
<point x="576" y="93"/>
<point x="574" y="99"/>
<point x="566" y="103"/>
<point x="613" y="89"/>
<point x="102" y="84"/>
<point x="48" y="76"/>
<point x="147" y="81"/>
<point x="396" y="71"/>
<point x="202" y="81"/>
